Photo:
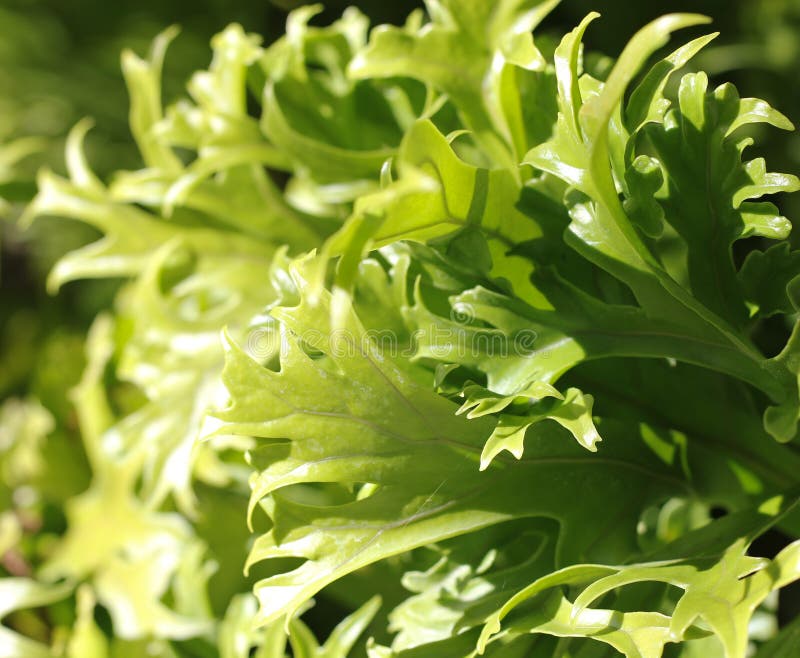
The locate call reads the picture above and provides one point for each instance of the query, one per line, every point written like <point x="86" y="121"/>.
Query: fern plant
<point x="483" y="326"/>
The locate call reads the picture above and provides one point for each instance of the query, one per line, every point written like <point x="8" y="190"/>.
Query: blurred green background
<point x="59" y="61"/>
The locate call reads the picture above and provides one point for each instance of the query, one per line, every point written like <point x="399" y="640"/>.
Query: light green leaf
<point x="706" y="179"/>
<point x="328" y="161"/>
<point x="647" y="101"/>
<point x="24" y="426"/>
<point x="573" y="411"/>
<point x="722" y="587"/>
<point x="355" y="417"/>
<point x="86" y="640"/>
<point x="644" y="178"/>
<point x="143" y="78"/>
<point x="132" y="551"/>
<point x="18" y="594"/>
<point x="344" y="637"/>
<point x="437" y="194"/>
<point x="468" y="51"/>
<point x="582" y="154"/>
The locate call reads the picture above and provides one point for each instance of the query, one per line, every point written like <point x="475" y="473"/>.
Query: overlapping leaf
<point x="353" y="417"/>
<point x="470" y="51"/>
<point x="722" y="586"/>
<point x="566" y="298"/>
<point x="585" y="149"/>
